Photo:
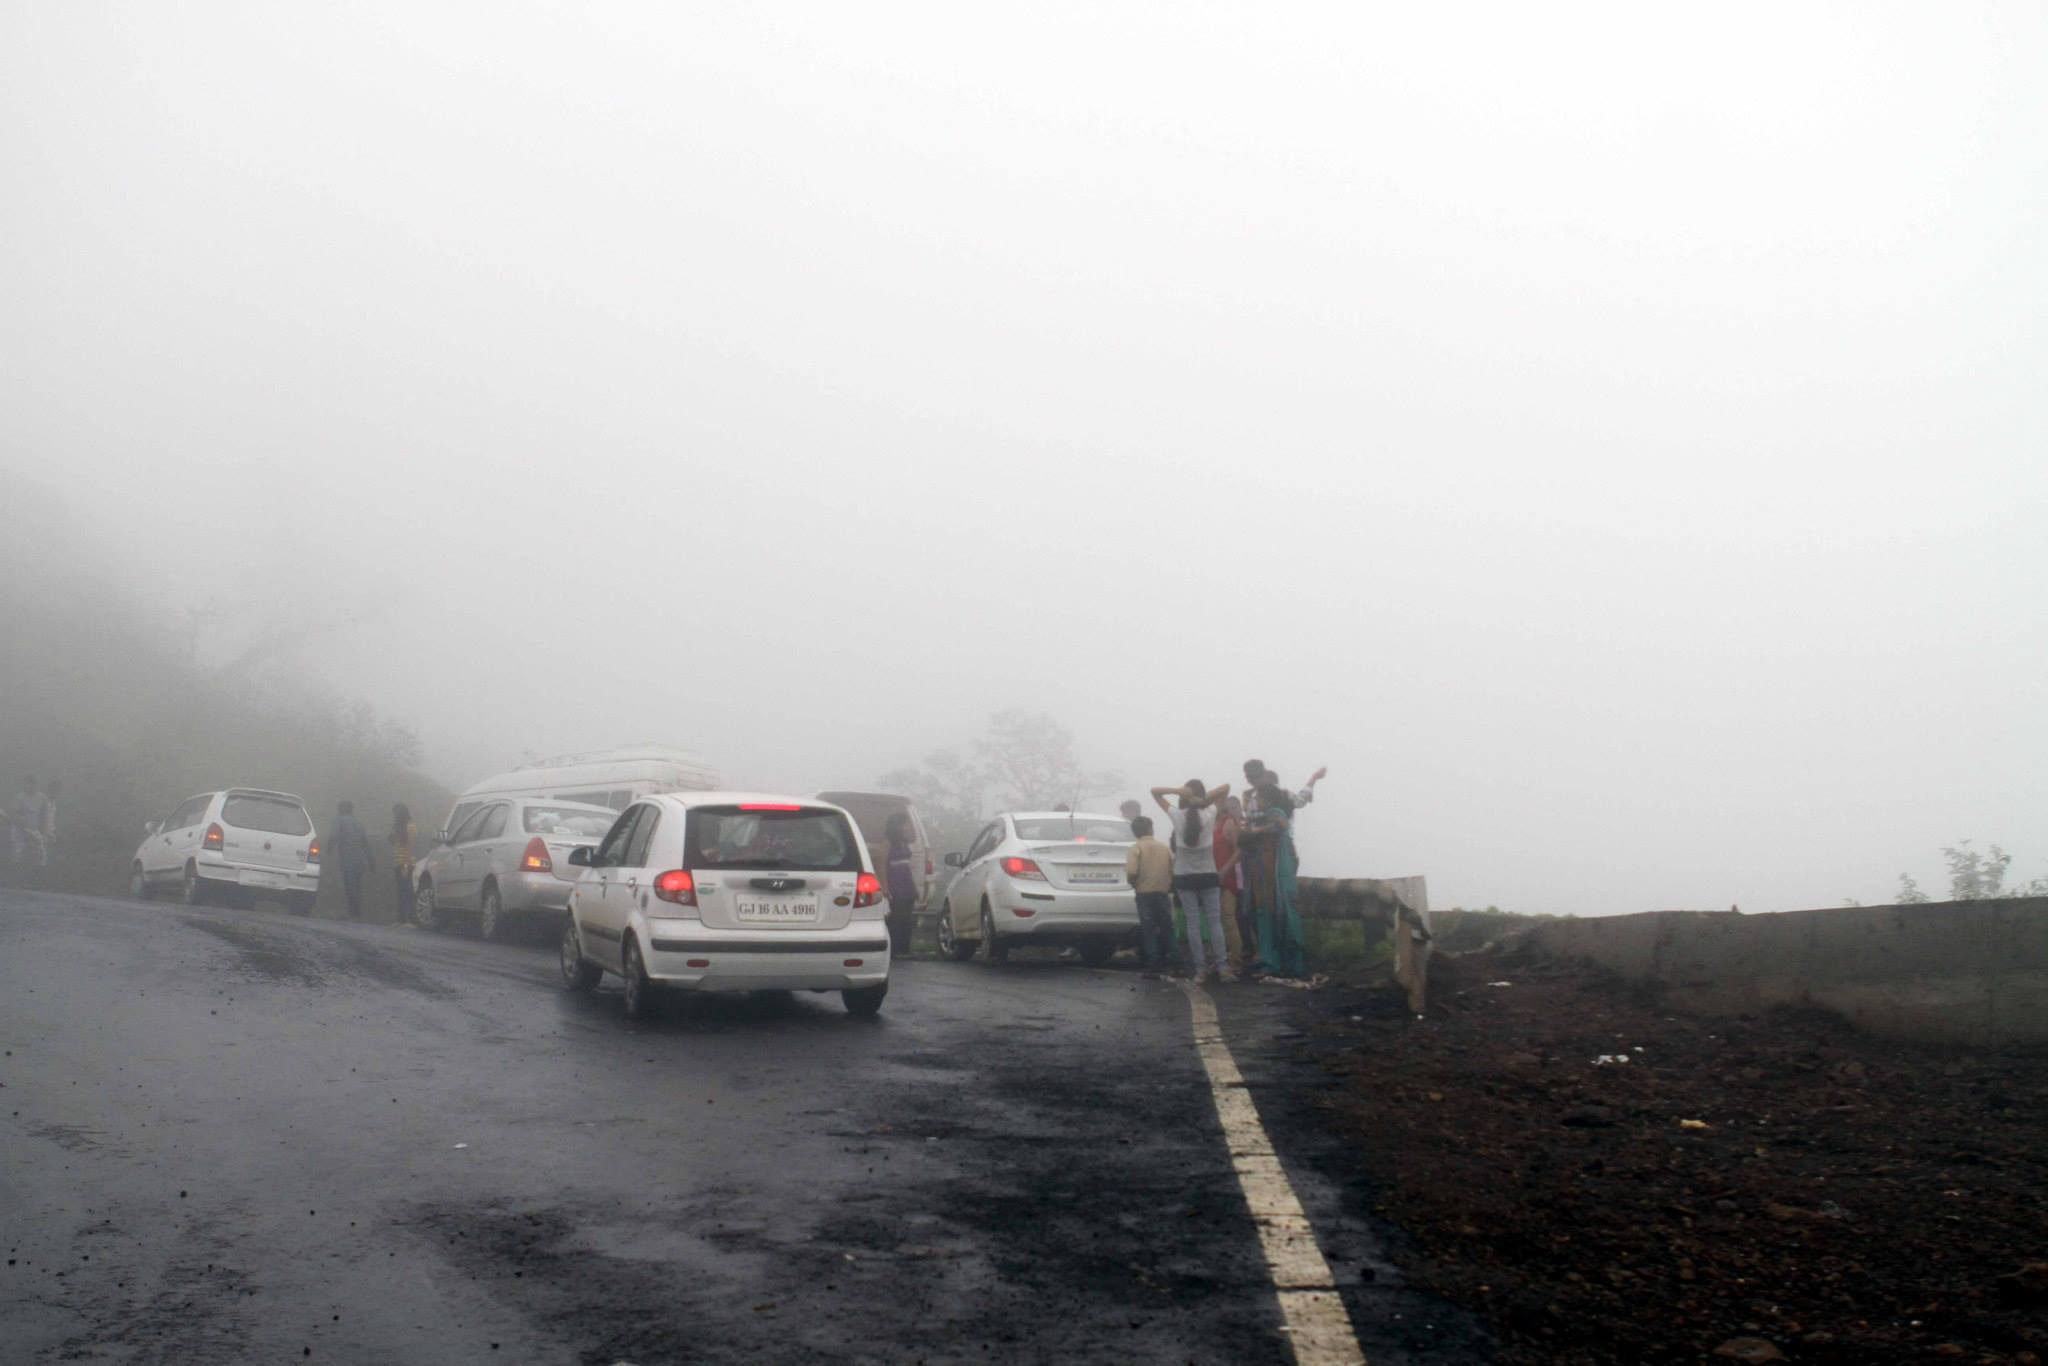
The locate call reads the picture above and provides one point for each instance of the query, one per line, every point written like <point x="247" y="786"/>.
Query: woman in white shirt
<point x="1192" y="819"/>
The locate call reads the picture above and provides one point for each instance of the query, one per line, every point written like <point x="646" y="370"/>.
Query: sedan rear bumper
<point x="534" y="893"/>
<point x="1065" y="914"/>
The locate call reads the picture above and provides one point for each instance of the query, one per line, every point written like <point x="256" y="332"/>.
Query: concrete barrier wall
<point x="1958" y="971"/>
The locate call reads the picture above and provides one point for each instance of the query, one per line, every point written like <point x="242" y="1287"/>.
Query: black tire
<point x="491" y="925"/>
<point x="192" y="891"/>
<point x="578" y="973"/>
<point x="138" y="885"/>
<point x="865" y="1002"/>
<point x="993" y="953"/>
<point x="1095" y="953"/>
<point x="951" y="944"/>
<point x="426" y="913"/>
<point x="639" y="991"/>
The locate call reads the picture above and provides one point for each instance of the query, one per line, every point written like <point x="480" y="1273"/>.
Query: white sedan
<point x="1041" y="877"/>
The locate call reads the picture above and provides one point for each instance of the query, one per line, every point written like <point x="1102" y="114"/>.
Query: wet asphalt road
<point x="229" y="1135"/>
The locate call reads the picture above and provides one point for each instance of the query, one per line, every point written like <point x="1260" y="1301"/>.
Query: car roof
<point x="1058" y="815"/>
<point x="557" y="802"/>
<point x="259" y="792"/>
<point x="688" y="799"/>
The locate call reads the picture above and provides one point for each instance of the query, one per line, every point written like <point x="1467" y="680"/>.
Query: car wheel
<point x="425" y="913"/>
<point x="192" y="891"/>
<point x="578" y="972"/>
<point x="639" y="991"/>
<point x="490" y="915"/>
<point x="138" y="885"/>
<point x="865" y="1002"/>
<point x="1095" y="955"/>
<point x="951" y="944"/>
<point x="992" y="950"/>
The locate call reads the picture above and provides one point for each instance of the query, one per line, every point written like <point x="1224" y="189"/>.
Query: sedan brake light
<point x="215" y="837"/>
<point x="676" y="887"/>
<point x="867" y="890"/>
<point x="536" y="858"/>
<point x="1023" y="868"/>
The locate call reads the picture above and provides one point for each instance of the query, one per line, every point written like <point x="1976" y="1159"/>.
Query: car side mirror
<point x="956" y="860"/>
<point x="441" y="837"/>
<point x="152" y="827"/>
<point x="580" y="856"/>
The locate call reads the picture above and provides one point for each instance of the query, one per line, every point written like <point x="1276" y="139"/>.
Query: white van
<point x="606" y="777"/>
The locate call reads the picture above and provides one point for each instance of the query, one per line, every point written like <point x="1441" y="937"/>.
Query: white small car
<point x="1041" y="877"/>
<point x="235" y="845"/>
<point x="505" y="863"/>
<point x="729" y="891"/>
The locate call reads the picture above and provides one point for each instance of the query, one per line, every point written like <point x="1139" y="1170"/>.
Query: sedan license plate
<point x="251" y="878"/>
<point x="1103" y="875"/>
<point x="778" y="911"/>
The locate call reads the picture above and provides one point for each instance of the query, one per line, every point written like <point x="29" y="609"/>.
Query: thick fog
<point x="1612" y="441"/>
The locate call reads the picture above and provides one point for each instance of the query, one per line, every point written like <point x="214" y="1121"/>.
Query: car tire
<point x="993" y="954"/>
<point x="639" y="991"/>
<point x="490" y="915"/>
<point x="864" y="1002"/>
<point x="192" y="891"/>
<point x="1095" y="955"/>
<point x="578" y="973"/>
<point x="950" y="944"/>
<point x="138" y="884"/>
<point x="425" y="912"/>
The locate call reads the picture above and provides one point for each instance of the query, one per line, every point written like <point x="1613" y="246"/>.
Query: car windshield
<point x="573" y="822"/>
<point x="806" y="839"/>
<point x="1074" y="829"/>
<point x="271" y="815"/>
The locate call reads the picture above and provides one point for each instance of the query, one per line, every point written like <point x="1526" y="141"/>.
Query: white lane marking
<point x="1317" y="1325"/>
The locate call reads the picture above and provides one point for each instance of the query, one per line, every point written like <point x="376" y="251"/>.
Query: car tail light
<point x="770" y="806"/>
<point x="535" y="859"/>
<point x="215" y="836"/>
<point x="867" y="890"/>
<point x="1023" y="868"/>
<point x="1022" y="912"/>
<point x="676" y="887"/>
<point x="313" y="852"/>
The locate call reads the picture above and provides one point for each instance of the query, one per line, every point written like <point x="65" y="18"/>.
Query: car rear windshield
<point x="1077" y="829"/>
<point x="806" y="839"/>
<point x="271" y="815"/>
<point x="573" y="823"/>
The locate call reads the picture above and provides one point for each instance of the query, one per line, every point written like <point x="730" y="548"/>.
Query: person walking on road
<point x="900" y="882"/>
<point x="1195" y="879"/>
<point x="1148" y="866"/>
<point x="352" y="852"/>
<point x="46" y="820"/>
<point x="26" y="819"/>
<point x="1236" y="936"/>
<point x="402" y="837"/>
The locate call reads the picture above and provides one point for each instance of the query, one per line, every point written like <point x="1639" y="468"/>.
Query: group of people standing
<point x="1231" y="861"/>
<point x="350" y="848"/>
<point x="31" y="820"/>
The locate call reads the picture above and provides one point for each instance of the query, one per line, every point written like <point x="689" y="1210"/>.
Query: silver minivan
<point x="504" y="862"/>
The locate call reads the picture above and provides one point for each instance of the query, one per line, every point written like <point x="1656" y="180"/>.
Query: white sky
<point x="1611" y="437"/>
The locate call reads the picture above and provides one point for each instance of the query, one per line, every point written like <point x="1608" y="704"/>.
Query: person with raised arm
<point x="1192" y="815"/>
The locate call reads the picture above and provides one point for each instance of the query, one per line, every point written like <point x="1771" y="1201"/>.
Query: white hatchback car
<point x="729" y="891"/>
<point x="1041" y="877"/>
<point x="234" y="845"/>
<point x="505" y="862"/>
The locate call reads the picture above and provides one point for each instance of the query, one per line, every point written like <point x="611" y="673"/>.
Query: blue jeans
<point x="1155" y="930"/>
<point x="1204" y="908"/>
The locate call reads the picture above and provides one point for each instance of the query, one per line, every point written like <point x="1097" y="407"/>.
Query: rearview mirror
<point x="580" y="856"/>
<point x="956" y="860"/>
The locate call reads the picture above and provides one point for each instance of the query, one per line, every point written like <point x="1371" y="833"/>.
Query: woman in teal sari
<point x="1276" y="910"/>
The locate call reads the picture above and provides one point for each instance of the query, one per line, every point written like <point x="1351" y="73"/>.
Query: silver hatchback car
<point x="505" y="864"/>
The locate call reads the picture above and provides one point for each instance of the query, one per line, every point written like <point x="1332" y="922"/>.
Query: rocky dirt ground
<point x="1767" y="1189"/>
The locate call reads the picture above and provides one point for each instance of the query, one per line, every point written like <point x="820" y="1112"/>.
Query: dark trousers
<point x="902" y="921"/>
<point x="352" y="888"/>
<point x="401" y="896"/>
<point x="1155" y="930"/>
